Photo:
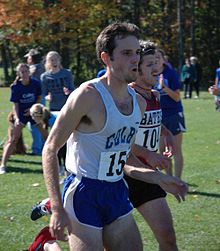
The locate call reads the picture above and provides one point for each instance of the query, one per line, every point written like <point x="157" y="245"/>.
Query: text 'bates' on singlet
<point x="150" y="127"/>
<point x="102" y="155"/>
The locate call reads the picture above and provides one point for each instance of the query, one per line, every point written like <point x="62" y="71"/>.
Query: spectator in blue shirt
<point x="172" y="109"/>
<point x="25" y="92"/>
<point x="34" y="61"/>
<point x="57" y="82"/>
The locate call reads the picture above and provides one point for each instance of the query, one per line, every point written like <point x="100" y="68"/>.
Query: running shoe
<point x="3" y="170"/>
<point x="43" y="237"/>
<point x="41" y="209"/>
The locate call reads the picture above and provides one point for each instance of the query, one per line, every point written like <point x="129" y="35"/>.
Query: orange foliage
<point x="28" y="21"/>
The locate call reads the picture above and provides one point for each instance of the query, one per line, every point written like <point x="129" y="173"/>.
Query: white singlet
<point x="102" y="155"/>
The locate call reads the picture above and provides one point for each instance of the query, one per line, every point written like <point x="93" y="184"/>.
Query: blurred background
<point x="183" y="28"/>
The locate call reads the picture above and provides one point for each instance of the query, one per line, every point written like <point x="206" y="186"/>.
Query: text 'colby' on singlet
<point x="101" y="155"/>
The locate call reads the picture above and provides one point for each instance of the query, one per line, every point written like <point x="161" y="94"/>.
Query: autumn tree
<point x="71" y="28"/>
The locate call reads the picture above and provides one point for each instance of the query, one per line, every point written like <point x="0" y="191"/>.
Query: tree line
<point x="182" y="28"/>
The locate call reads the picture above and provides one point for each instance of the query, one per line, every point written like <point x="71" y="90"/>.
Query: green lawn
<point x="197" y="220"/>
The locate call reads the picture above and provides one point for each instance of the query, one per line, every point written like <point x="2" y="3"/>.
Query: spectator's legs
<point x="186" y="86"/>
<point x="9" y="147"/>
<point x="178" y="157"/>
<point x="185" y="89"/>
<point x="190" y="89"/>
<point x="196" y="84"/>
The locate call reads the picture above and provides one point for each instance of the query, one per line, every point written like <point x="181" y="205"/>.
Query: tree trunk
<point x="5" y="63"/>
<point x="78" y="62"/>
<point x="193" y="42"/>
<point x="65" y="53"/>
<point x="137" y="12"/>
<point x="10" y="60"/>
<point x="180" y="33"/>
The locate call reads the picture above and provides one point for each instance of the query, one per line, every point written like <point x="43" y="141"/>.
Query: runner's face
<point x="125" y="59"/>
<point x="149" y="70"/>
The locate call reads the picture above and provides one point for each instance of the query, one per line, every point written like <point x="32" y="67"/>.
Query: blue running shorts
<point x="95" y="203"/>
<point x="175" y="123"/>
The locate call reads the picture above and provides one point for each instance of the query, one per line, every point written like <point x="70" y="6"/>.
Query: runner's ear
<point x="105" y="57"/>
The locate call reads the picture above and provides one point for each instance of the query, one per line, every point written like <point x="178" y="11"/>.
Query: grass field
<point x="197" y="220"/>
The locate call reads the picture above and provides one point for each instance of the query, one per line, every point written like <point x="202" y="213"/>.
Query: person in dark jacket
<point x="188" y="77"/>
<point x="198" y="71"/>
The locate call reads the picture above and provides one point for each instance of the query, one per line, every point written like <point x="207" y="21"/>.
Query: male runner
<point x="99" y="120"/>
<point x="149" y="199"/>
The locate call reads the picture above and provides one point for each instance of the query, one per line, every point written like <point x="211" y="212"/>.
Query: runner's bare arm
<point x="68" y="120"/>
<point x="137" y="170"/>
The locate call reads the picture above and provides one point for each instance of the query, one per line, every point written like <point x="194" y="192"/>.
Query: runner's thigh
<point x="158" y="216"/>
<point x="85" y="238"/>
<point x="122" y="234"/>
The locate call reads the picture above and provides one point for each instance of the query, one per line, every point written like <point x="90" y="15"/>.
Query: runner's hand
<point x="59" y="221"/>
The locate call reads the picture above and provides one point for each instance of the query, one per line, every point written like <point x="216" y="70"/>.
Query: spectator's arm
<point x="70" y="83"/>
<point x="43" y="131"/>
<point x="44" y="90"/>
<point x="174" y="94"/>
<point x="216" y="81"/>
<point x="16" y="110"/>
<point x="168" y="140"/>
<point x="183" y="73"/>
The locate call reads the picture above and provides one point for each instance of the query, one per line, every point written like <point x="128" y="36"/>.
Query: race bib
<point x="111" y="165"/>
<point x="149" y="138"/>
